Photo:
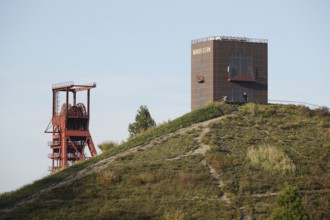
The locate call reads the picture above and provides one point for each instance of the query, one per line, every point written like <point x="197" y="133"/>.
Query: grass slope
<point x="254" y="151"/>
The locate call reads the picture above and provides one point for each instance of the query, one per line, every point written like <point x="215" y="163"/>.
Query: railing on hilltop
<point x="230" y="38"/>
<point x="312" y="106"/>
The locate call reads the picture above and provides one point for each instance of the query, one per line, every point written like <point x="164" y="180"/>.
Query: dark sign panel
<point x="240" y="68"/>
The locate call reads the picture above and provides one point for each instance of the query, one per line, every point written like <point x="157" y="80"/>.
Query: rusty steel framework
<point x="69" y="126"/>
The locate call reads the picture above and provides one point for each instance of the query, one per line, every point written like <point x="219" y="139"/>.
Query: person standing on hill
<point x="245" y="98"/>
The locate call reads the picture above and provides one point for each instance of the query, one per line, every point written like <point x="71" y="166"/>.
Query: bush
<point x="290" y="207"/>
<point x="305" y="111"/>
<point x="107" y="145"/>
<point x="322" y="111"/>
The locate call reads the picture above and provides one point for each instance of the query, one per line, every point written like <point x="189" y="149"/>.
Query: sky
<point x="138" y="53"/>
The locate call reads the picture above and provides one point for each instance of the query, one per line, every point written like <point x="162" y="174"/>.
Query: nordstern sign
<point x="201" y="50"/>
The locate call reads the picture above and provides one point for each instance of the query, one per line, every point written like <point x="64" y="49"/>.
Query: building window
<point x="240" y="68"/>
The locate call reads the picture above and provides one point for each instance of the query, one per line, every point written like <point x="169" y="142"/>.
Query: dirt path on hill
<point x="102" y="164"/>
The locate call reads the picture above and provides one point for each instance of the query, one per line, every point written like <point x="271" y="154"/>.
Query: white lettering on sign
<point x="201" y="50"/>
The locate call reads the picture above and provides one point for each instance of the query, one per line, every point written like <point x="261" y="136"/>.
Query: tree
<point x="290" y="207"/>
<point x="143" y="121"/>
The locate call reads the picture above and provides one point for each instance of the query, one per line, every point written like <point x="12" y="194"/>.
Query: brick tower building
<point x="233" y="68"/>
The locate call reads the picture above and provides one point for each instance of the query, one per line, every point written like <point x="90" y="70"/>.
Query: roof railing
<point x="229" y="38"/>
<point x="62" y="85"/>
<point x="70" y="84"/>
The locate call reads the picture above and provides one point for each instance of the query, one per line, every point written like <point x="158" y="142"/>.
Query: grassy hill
<point x="219" y="162"/>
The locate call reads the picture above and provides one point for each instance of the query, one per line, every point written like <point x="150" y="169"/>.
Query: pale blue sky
<point x="138" y="52"/>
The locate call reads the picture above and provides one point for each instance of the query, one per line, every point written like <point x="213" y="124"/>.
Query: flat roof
<point x="64" y="85"/>
<point x="229" y="38"/>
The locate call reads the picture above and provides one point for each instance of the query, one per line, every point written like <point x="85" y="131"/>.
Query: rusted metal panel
<point x="241" y="78"/>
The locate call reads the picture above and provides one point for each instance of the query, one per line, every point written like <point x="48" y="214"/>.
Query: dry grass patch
<point x="271" y="158"/>
<point x="177" y="215"/>
<point x="108" y="177"/>
<point x="141" y="179"/>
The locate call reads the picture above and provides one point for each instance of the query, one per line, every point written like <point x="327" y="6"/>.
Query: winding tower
<point x="70" y="126"/>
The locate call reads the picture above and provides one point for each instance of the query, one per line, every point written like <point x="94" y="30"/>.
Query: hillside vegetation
<point x="219" y="162"/>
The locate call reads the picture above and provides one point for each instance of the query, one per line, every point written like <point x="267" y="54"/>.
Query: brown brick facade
<point x="228" y="66"/>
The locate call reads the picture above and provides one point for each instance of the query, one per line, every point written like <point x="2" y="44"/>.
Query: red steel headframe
<point x="69" y="126"/>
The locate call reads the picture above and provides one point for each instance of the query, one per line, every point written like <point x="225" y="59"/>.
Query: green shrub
<point x="322" y="111"/>
<point x="107" y="145"/>
<point x="290" y="207"/>
<point x="305" y="111"/>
